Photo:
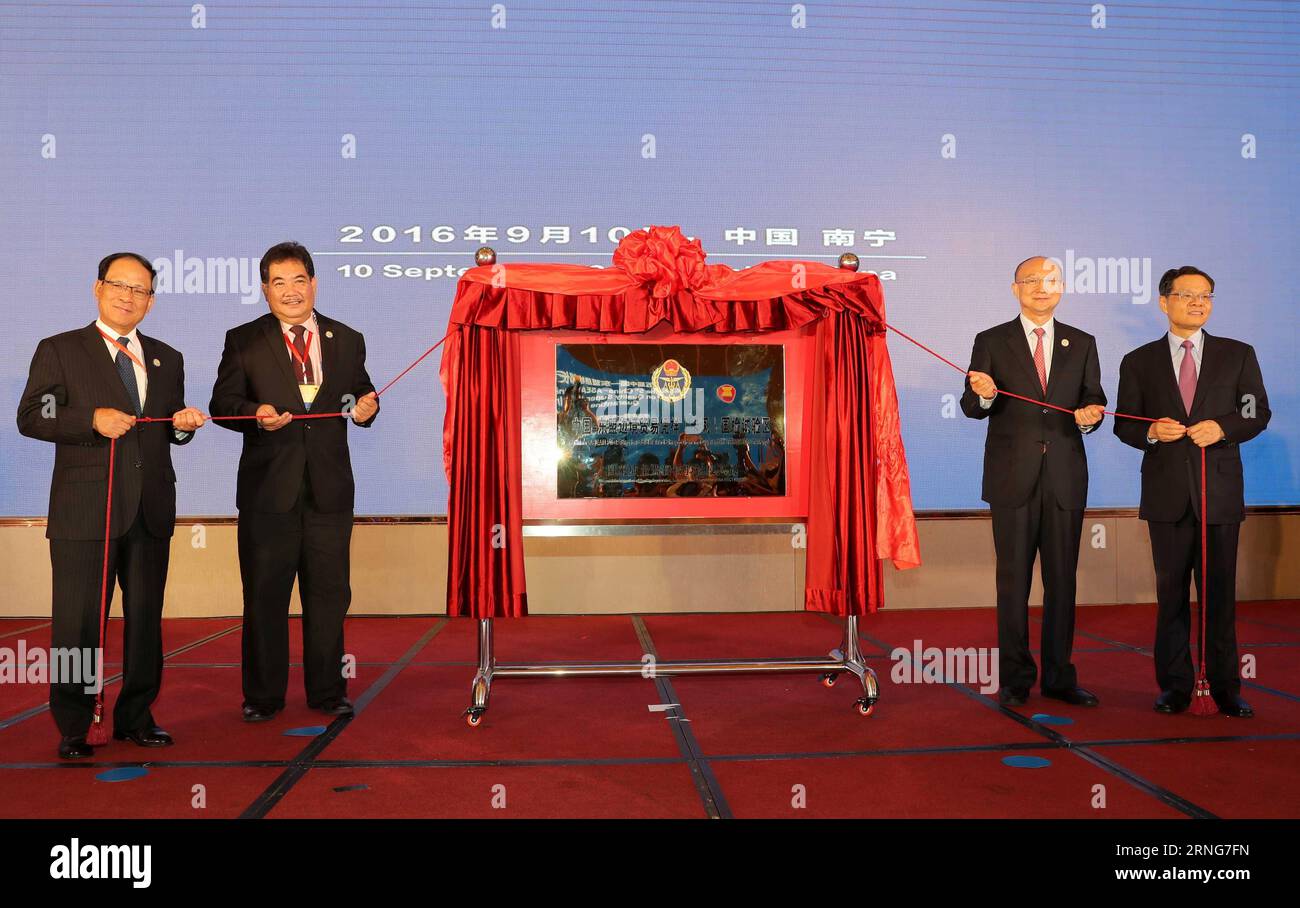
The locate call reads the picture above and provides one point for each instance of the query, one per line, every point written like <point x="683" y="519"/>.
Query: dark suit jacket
<point x="255" y="370"/>
<point x="1171" y="471"/>
<point x="72" y="374"/>
<point x="1025" y="440"/>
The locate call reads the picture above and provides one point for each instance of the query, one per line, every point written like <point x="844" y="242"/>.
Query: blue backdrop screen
<point x="943" y="143"/>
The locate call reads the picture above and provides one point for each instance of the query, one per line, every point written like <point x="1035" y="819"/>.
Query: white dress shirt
<point x="1049" y="335"/>
<point x="1177" y="352"/>
<point x="137" y="360"/>
<point x="313" y="348"/>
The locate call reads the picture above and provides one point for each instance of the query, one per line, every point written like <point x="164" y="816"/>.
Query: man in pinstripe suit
<point x="85" y="387"/>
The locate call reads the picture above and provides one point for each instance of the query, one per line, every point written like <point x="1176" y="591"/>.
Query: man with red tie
<point x="1208" y="394"/>
<point x="1036" y="474"/>
<point x="295" y="487"/>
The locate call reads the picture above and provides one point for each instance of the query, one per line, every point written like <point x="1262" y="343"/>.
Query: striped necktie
<point x="126" y="369"/>
<point x="1040" y="360"/>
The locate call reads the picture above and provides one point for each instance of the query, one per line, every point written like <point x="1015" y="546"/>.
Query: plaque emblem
<point x="670" y="381"/>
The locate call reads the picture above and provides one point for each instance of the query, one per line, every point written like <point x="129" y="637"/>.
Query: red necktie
<point x="1040" y="361"/>
<point x="1187" y="377"/>
<point x="301" y="346"/>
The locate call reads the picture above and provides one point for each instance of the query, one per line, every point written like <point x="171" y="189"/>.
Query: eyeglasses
<point x="1185" y="297"/>
<point x="1051" y="281"/>
<point x="139" y="294"/>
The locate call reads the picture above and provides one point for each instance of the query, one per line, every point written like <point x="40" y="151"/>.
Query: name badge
<point x="308" y="392"/>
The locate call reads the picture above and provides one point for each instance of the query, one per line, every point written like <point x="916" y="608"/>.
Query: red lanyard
<point x="134" y="358"/>
<point x="306" y="342"/>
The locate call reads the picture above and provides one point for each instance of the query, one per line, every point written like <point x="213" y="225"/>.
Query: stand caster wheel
<point x="474" y="716"/>
<point x="829" y="679"/>
<point x="865" y="706"/>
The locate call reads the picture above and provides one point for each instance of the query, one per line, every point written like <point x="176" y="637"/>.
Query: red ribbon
<point x="97" y="732"/>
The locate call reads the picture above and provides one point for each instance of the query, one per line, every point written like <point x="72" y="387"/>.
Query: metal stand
<point x="847" y="658"/>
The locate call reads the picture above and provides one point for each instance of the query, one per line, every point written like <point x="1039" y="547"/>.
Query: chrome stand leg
<point x="850" y="653"/>
<point x="483" y="677"/>
<point x="829" y="678"/>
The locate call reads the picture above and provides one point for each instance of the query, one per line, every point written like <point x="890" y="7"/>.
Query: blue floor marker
<point x="307" y="731"/>
<point x="122" y="774"/>
<point x="1021" y="761"/>
<point x="1047" y="719"/>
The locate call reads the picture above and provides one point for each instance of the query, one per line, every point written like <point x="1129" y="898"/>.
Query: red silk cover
<point x="860" y="505"/>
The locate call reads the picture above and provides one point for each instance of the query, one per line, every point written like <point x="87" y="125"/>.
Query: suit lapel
<point x="104" y="367"/>
<point x="147" y="357"/>
<point x="1163" y="363"/>
<point x="1061" y="358"/>
<point x="329" y="358"/>
<point x="274" y="338"/>
<point x="1019" y="347"/>
<point x="1211" y="365"/>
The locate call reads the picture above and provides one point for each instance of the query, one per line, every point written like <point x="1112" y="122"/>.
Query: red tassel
<point x="1202" y="702"/>
<point x="98" y="734"/>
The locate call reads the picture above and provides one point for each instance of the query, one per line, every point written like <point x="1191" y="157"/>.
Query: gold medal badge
<point x="670" y="381"/>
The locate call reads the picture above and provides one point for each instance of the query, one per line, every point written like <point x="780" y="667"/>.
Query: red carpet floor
<point x="779" y="746"/>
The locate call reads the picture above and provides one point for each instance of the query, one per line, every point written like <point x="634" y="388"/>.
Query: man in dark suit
<point x="1036" y="474"/>
<point x="295" y="488"/>
<point x="85" y="387"/>
<point x="1208" y="394"/>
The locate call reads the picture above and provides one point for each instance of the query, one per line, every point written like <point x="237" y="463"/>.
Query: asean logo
<point x="726" y="393"/>
<point x="670" y="381"/>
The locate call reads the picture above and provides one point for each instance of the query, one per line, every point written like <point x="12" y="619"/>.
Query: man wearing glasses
<point x="1036" y="474"/>
<point x="295" y="486"/>
<point x="1207" y="393"/>
<point x="84" y="388"/>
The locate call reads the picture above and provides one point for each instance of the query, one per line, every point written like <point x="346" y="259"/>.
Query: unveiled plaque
<point x="672" y="420"/>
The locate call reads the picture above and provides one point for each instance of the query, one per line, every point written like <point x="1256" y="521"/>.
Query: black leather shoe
<point x="1013" y="696"/>
<point x="75" y="748"/>
<point x="259" y="713"/>
<point x="1075" y="696"/>
<point x="1172" y="701"/>
<point x="335" y="706"/>
<point x="145" y="737"/>
<point x="1235" y="707"/>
